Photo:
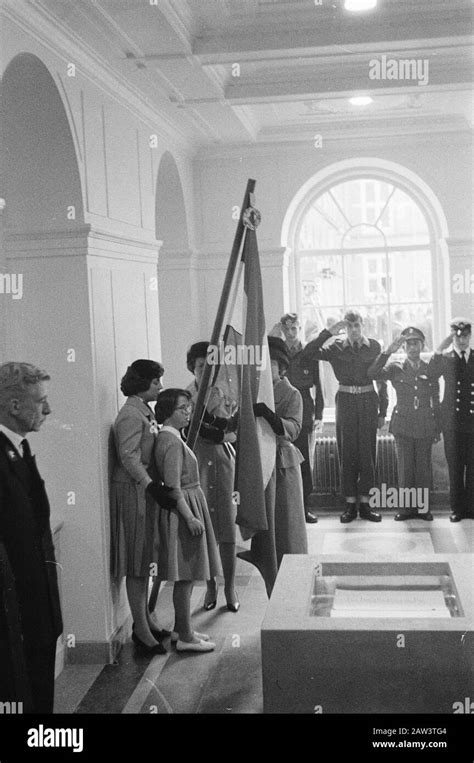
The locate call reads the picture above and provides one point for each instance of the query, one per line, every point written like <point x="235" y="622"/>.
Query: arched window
<point x="364" y="243"/>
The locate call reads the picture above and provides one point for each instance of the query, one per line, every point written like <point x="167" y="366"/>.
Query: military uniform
<point x="357" y="407"/>
<point x="415" y="419"/>
<point x="457" y="424"/>
<point x="304" y="375"/>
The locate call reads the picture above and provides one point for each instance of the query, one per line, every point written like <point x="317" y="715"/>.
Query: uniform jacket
<point x="289" y="407"/>
<point x="26" y="535"/>
<point x="304" y="375"/>
<point x="135" y="431"/>
<point x="416" y="413"/>
<point x="457" y="407"/>
<point x="350" y="368"/>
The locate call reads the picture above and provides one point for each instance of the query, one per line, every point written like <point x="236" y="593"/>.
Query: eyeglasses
<point x="187" y="407"/>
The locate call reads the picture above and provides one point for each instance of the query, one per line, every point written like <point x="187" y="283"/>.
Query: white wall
<point x="90" y="288"/>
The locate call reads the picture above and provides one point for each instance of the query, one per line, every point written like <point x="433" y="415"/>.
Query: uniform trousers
<point x="459" y="451"/>
<point x="414" y="461"/>
<point x="302" y="443"/>
<point x="356" y="435"/>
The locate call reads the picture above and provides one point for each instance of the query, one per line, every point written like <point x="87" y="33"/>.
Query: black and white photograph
<point x="236" y="373"/>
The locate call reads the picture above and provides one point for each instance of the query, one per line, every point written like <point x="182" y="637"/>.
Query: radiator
<point x="326" y="470"/>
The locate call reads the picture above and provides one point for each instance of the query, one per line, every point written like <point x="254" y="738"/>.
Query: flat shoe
<point x="233" y="607"/>
<point x="201" y="636"/>
<point x="195" y="646"/>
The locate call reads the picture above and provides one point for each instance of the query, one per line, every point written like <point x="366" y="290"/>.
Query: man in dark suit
<point x="304" y="375"/>
<point x="25" y="531"/>
<point x="457" y="414"/>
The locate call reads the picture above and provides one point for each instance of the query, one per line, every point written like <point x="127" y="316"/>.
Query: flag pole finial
<point x="251" y="218"/>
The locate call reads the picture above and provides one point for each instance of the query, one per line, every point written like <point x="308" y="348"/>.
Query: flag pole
<point x="221" y="312"/>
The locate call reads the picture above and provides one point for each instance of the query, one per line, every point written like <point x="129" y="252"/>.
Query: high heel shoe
<point x="159" y="635"/>
<point x="145" y="649"/>
<point x="233" y="604"/>
<point x="210" y="603"/>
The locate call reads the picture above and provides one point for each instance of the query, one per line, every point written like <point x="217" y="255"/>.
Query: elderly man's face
<point x="291" y="331"/>
<point x="32" y="409"/>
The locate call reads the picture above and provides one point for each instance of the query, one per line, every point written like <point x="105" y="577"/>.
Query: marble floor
<point x="228" y="680"/>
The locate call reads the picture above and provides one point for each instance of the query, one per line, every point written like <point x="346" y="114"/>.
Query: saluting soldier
<point x="304" y="376"/>
<point x="415" y="417"/>
<point x="457" y="414"/>
<point x="359" y="410"/>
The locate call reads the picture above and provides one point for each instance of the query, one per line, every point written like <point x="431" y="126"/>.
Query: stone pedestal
<point x="327" y="664"/>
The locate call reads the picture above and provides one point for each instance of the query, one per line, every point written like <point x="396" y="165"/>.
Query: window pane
<point x="411" y="276"/>
<point x="362" y="236"/>
<point x="403" y="222"/>
<point x="321" y="280"/>
<point x="365" y="278"/>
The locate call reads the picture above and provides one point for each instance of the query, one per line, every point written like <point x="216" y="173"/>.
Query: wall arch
<point x="41" y="180"/>
<point x="170" y="211"/>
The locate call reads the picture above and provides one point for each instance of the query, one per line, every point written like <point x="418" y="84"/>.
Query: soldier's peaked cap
<point x="411" y="332"/>
<point x="461" y="326"/>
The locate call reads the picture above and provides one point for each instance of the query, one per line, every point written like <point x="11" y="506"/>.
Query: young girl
<point x="188" y="549"/>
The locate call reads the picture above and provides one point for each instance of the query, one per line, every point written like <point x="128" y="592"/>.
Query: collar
<point x="410" y="364"/>
<point x="172" y="430"/>
<point x="15" y="438"/>
<point x="137" y="402"/>
<point x="295" y="348"/>
<point x="363" y="340"/>
<point x="458" y="352"/>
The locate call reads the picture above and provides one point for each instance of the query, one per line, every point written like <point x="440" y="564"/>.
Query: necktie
<point x="26" y="449"/>
<point x="463" y="357"/>
<point x="356" y="346"/>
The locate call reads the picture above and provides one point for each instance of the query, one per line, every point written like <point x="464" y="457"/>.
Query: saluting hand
<point x="396" y="344"/>
<point x="336" y="328"/>
<point x="445" y="343"/>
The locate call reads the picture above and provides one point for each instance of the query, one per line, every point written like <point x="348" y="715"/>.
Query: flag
<point x="243" y="374"/>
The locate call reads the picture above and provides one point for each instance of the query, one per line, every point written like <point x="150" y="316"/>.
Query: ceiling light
<point x="359" y="5"/>
<point x="360" y="100"/>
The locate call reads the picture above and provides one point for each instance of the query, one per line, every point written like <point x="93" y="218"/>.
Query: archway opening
<point x="41" y="180"/>
<point x="170" y="217"/>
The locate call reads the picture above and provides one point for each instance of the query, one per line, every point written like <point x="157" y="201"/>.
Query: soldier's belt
<point x="353" y="390"/>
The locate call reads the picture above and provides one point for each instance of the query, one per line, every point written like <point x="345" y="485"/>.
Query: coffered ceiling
<point x="250" y="71"/>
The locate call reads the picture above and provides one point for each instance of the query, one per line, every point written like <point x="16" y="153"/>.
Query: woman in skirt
<point x="188" y="549"/>
<point x="134" y="513"/>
